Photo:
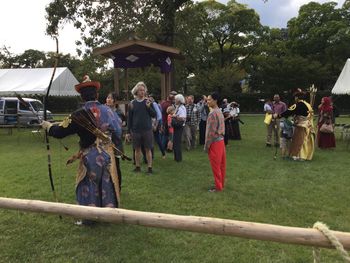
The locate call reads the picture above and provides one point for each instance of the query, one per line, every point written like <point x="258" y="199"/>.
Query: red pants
<point x="217" y="158"/>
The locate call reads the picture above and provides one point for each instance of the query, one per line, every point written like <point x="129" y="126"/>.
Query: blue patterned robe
<point x="97" y="179"/>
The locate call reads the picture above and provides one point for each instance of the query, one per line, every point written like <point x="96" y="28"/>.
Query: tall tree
<point x="110" y="21"/>
<point x="321" y="33"/>
<point x="31" y="58"/>
<point x="214" y="37"/>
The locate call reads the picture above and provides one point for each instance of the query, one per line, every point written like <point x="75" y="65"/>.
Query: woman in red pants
<point x="214" y="142"/>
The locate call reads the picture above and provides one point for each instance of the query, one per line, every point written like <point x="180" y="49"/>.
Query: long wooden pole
<point x="216" y="226"/>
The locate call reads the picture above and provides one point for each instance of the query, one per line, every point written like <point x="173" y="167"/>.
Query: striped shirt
<point x="215" y="130"/>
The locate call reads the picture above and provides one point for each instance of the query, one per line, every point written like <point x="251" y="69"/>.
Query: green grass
<point x="258" y="189"/>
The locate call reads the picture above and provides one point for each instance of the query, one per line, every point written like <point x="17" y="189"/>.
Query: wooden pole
<point x="126" y="83"/>
<point x="163" y="95"/>
<point x="216" y="226"/>
<point x="169" y="84"/>
<point x="116" y="81"/>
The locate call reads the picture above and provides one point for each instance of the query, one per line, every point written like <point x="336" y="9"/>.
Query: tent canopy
<point x="36" y="81"/>
<point x="342" y="86"/>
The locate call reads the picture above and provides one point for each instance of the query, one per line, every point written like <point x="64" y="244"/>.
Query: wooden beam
<point x="125" y="44"/>
<point x="216" y="226"/>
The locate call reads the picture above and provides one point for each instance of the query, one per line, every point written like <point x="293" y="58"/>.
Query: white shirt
<point x="234" y="112"/>
<point x="267" y="107"/>
<point x="181" y="112"/>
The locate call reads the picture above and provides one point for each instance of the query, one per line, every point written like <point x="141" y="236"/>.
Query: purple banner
<point x="143" y="60"/>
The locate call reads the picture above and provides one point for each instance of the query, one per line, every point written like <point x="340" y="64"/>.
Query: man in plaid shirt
<point x="191" y="124"/>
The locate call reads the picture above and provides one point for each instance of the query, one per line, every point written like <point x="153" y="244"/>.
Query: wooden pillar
<point x="165" y="85"/>
<point x="116" y="81"/>
<point x="168" y="88"/>
<point x="163" y="93"/>
<point x="126" y="84"/>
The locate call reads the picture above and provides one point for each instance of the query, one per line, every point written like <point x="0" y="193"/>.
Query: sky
<point x="24" y="28"/>
<point x="276" y="13"/>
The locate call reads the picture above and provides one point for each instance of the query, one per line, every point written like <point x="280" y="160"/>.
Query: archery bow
<point x="46" y="132"/>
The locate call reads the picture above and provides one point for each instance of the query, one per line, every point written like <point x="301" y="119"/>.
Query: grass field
<point x="258" y="189"/>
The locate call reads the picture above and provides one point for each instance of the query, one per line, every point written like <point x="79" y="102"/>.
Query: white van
<point x="13" y="111"/>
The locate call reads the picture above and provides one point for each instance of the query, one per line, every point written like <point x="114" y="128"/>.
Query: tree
<point x="7" y="58"/>
<point x="321" y="33"/>
<point x="31" y="59"/>
<point x="110" y="21"/>
<point x="214" y="37"/>
<point x="224" y="32"/>
<point x="346" y="5"/>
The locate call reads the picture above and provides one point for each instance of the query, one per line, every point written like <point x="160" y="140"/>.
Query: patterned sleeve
<point x="63" y="129"/>
<point x="114" y="123"/>
<point x="209" y="130"/>
<point x="290" y="111"/>
<point x="221" y="123"/>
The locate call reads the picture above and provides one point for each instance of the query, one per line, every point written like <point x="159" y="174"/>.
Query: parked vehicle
<point x="13" y="111"/>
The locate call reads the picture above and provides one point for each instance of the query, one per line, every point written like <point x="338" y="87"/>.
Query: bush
<point x="249" y="102"/>
<point x="252" y="102"/>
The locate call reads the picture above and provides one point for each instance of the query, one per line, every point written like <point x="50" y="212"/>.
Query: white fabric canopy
<point x="342" y="86"/>
<point x="36" y="81"/>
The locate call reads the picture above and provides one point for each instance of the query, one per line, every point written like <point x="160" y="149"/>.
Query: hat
<point x="297" y="92"/>
<point x="173" y="92"/>
<point x="87" y="83"/>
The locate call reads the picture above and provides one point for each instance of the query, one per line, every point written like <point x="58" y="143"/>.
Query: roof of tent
<point x="342" y="86"/>
<point x="36" y="81"/>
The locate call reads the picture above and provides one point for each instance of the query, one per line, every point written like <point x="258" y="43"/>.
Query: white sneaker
<point x="78" y="223"/>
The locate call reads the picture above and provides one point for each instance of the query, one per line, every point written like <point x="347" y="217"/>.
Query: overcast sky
<point x="276" y="13"/>
<point x="22" y="22"/>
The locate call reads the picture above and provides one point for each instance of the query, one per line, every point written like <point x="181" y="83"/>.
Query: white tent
<point x="342" y="86"/>
<point x="36" y="81"/>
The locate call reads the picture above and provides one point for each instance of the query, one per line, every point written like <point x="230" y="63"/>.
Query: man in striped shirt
<point x="214" y="142"/>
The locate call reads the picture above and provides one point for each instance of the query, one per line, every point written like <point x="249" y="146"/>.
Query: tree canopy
<point x="224" y="44"/>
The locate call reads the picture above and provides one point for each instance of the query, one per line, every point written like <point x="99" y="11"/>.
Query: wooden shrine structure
<point x="139" y="54"/>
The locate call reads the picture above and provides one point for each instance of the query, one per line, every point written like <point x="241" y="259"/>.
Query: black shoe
<point x="268" y="144"/>
<point x="137" y="169"/>
<point x="149" y="171"/>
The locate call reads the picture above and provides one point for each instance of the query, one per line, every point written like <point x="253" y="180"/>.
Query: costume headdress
<point x="87" y="83"/>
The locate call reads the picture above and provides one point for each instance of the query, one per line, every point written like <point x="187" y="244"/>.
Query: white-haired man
<point x="140" y="114"/>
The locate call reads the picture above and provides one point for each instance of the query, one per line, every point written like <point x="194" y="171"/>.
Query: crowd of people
<point x="170" y="124"/>
<point x="99" y="127"/>
<point x="296" y="137"/>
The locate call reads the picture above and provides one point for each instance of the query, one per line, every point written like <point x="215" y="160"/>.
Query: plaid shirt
<point x="192" y="115"/>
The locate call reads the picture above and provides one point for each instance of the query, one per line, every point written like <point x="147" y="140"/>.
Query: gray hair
<point x="137" y="87"/>
<point x="180" y="98"/>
